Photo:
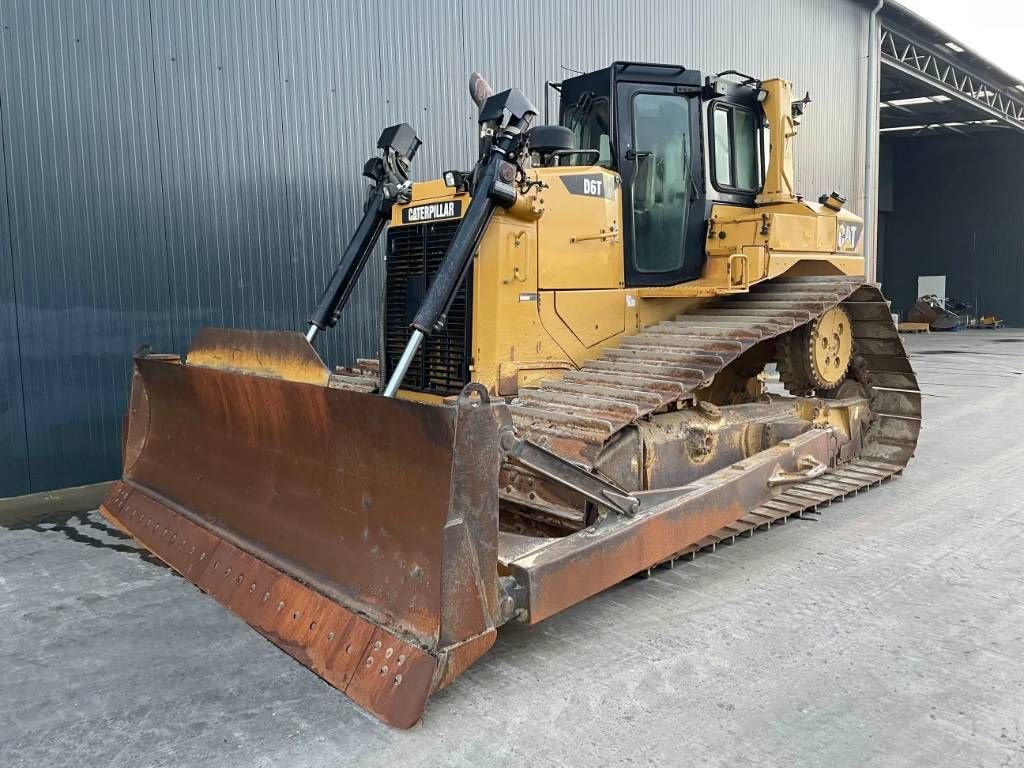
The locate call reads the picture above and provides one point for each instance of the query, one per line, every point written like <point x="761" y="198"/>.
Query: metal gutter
<point x="871" y="145"/>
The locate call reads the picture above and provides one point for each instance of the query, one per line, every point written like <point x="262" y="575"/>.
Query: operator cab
<point x="679" y="144"/>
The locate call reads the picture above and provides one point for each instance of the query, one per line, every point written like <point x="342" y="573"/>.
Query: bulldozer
<point x="574" y="385"/>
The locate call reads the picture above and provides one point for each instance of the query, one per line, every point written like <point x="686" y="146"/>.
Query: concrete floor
<point x="890" y="632"/>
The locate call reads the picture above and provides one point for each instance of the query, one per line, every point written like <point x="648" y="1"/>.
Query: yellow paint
<point x="831" y="346"/>
<point x="548" y="285"/>
<point x="420" y="397"/>
<point x="582" y="235"/>
<point x="778" y="111"/>
<point x="592" y="316"/>
<point x="507" y="331"/>
<point x="274" y="354"/>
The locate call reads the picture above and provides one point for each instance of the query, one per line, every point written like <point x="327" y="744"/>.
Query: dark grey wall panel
<point x="228" y="219"/>
<point x="332" y="92"/>
<point x="86" y="227"/>
<point x="958" y="210"/>
<point x="176" y="163"/>
<point x="14" y="478"/>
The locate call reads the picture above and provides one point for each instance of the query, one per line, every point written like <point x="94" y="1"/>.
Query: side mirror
<point x="641" y="186"/>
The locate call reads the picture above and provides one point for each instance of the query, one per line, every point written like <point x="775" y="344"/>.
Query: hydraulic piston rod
<point x="504" y="118"/>
<point x="390" y="174"/>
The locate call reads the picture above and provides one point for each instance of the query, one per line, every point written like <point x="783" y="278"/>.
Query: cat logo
<point x="847" y="240"/>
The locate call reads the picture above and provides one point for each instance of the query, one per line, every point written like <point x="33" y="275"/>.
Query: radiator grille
<point x="415" y="253"/>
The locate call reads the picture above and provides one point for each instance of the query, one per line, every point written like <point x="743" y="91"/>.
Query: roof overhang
<point x="930" y="83"/>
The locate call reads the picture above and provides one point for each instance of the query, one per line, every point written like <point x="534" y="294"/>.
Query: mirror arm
<point x="639" y="158"/>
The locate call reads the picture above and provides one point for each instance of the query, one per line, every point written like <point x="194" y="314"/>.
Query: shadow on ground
<point x="71" y="513"/>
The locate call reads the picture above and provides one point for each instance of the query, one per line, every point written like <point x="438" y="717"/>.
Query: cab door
<point x="658" y="137"/>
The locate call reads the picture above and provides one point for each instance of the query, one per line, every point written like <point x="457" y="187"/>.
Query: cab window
<point x="735" y="159"/>
<point x="588" y="120"/>
<point x="661" y="186"/>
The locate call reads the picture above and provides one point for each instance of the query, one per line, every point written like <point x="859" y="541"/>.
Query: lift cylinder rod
<point x="351" y="264"/>
<point x="508" y="114"/>
<point x="390" y="174"/>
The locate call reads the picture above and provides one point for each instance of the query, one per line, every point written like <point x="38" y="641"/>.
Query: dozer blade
<point x="357" y="533"/>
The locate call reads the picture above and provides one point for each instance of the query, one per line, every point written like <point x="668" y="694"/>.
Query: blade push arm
<point x="504" y="118"/>
<point x="390" y="174"/>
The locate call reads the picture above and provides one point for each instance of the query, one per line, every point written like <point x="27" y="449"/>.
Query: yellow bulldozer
<point x="570" y="390"/>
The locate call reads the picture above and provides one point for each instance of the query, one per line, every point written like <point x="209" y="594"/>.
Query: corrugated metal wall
<point x="971" y="231"/>
<point x="174" y="164"/>
<point x="84" y="227"/>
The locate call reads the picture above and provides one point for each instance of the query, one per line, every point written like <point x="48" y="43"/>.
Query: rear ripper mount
<point x="391" y="584"/>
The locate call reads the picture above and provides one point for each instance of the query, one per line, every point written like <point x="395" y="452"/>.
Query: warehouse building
<point x="173" y="165"/>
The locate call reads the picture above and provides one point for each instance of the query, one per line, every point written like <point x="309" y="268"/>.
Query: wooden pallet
<point x="913" y="328"/>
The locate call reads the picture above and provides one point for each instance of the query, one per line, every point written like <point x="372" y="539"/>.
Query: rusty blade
<point x="361" y="510"/>
<point x="348" y="492"/>
<point x="374" y="667"/>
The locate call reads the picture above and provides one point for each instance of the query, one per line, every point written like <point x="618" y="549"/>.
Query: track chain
<point x="668" y="362"/>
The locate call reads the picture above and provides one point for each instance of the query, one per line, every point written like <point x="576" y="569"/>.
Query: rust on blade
<point x="308" y="478"/>
<point x="368" y="517"/>
<point x="377" y="669"/>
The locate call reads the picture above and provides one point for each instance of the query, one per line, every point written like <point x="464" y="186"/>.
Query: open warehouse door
<point x="950" y="190"/>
